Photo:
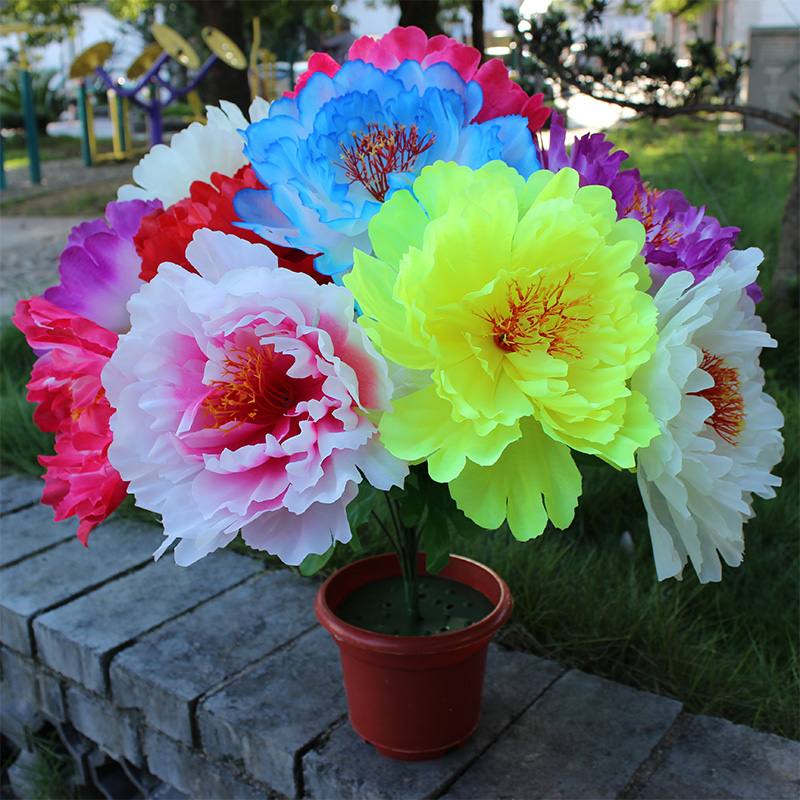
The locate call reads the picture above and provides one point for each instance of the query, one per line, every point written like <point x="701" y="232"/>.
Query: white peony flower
<point x="167" y="172"/>
<point x="720" y="434"/>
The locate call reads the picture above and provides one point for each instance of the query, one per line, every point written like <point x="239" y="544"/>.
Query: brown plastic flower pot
<point x="413" y="697"/>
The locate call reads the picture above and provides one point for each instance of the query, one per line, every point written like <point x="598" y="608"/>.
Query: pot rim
<point x="366" y="570"/>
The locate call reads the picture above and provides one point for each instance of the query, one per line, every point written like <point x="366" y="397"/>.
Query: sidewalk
<point x="216" y="681"/>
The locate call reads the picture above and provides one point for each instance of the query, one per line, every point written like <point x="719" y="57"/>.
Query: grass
<point x="51" y="148"/>
<point x="588" y="597"/>
<point x="89" y="201"/>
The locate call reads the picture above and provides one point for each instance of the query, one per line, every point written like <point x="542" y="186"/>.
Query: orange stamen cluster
<point x="659" y="232"/>
<point x="538" y="314"/>
<point x="253" y="391"/>
<point x="726" y="397"/>
<point x="382" y="150"/>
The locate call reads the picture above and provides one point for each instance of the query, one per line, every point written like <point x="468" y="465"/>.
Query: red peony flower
<point x="65" y="382"/>
<point x="164" y="234"/>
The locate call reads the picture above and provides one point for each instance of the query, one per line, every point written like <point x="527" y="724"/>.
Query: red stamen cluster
<point x="255" y="391"/>
<point x="659" y="231"/>
<point x="538" y="314"/>
<point x="726" y="397"/>
<point x="382" y="150"/>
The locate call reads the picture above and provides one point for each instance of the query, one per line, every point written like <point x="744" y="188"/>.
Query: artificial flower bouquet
<point x="384" y="285"/>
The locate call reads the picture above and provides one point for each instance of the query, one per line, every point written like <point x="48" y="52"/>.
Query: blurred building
<point x="768" y="31"/>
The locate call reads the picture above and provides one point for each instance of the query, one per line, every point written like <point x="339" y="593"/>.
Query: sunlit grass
<point x="51" y="148"/>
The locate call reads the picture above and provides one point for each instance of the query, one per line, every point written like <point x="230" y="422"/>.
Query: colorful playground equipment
<point x="262" y="73"/>
<point x="28" y="107"/>
<point x="151" y="91"/>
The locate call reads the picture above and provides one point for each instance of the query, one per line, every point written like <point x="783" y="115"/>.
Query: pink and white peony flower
<point x="167" y="172"/>
<point x="241" y="397"/>
<point x="720" y="433"/>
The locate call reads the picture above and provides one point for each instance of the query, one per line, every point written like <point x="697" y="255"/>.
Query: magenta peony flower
<point x="65" y="382"/>
<point x="99" y="267"/>
<point x="241" y="395"/>
<point x="501" y="96"/>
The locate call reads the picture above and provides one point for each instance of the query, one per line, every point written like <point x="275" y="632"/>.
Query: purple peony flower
<point x="99" y="267"/>
<point x="678" y="235"/>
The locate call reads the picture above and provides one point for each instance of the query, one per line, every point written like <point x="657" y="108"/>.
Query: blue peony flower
<point x="334" y="153"/>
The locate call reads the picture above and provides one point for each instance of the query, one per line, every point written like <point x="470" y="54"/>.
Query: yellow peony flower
<point x="524" y="302"/>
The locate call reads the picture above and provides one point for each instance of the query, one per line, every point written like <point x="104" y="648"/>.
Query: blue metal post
<point x="3" y="183"/>
<point x="83" y="115"/>
<point x="31" y="134"/>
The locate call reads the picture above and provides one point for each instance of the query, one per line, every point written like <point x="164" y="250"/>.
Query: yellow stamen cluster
<point x="253" y="390"/>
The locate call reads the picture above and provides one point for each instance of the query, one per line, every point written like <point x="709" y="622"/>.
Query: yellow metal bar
<point x="269" y="58"/>
<point x="197" y="108"/>
<point x="90" y="126"/>
<point x="253" y="70"/>
<point x="113" y="113"/>
<point x="126" y="116"/>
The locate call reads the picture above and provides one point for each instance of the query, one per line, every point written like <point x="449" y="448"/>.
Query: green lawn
<point x="588" y="597"/>
<point x="51" y="148"/>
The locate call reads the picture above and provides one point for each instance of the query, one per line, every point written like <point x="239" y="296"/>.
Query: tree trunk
<point x="223" y="82"/>
<point x="785" y="280"/>
<point x="422" y="13"/>
<point x="478" y="40"/>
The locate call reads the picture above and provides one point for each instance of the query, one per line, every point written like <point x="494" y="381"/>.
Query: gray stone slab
<point x="585" y="737"/>
<point x="79" y="638"/>
<point x="113" y="730"/>
<point x="193" y="775"/>
<point x="27" y="681"/>
<point x="715" y="758"/>
<point x="67" y="570"/>
<point x="19" y="676"/>
<point x="264" y="721"/>
<point x="18" y="491"/>
<point x="197" y="652"/>
<point x="345" y="766"/>
<point x="30" y="531"/>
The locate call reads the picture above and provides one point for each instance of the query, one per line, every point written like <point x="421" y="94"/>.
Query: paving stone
<point x="22" y="775"/>
<point x="78" y="639"/>
<point x="24" y="679"/>
<point x="80" y="748"/>
<point x="112" y="729"/>
<point x="166" y="672"/>
<point x="19" y="718"/>
<point x="345" y="766"/>
<point x="585" y="737"/>
<point x="715" y="758"/>
<point x="266" y="719"/>
<point x="18" y="491"/>
<point x="193" y="775"/>
<point x="31" y="530"/>
<point x="67" y="570"/>
<point x="19" y="676"/>
<point x="51" y="697"/>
